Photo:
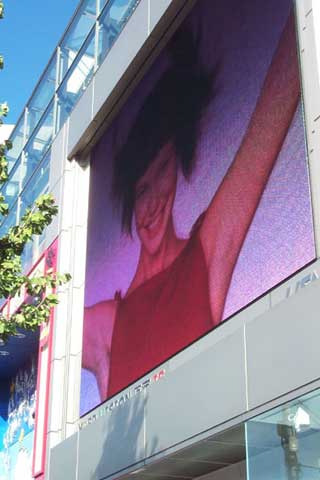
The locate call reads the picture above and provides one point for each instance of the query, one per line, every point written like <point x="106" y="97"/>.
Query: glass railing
<point x="76" y="35"/>
<point x="18" y="140"/>
<point x="38" y="143"/>
<point x="283" y="443"/>
<point x="42" y="96"/>
<point x="113" y="18"/>
<point x="76" y="80"/>
<point x="11" y="188"/>
<point x="86" y="42"/>
<point x="10" y="220"/>
<point x="37" y="185"/>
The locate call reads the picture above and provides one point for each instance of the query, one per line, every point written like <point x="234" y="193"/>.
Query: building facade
<point x="180" y="139"/>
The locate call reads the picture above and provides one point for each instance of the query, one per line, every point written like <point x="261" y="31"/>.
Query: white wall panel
<point x="81" y="116"/>
<point x="282" y="347"/>
<point x="57" y="392"/>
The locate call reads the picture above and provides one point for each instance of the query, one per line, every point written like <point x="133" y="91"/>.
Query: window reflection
<point x="290" y="437"/>
<point x="76" y="35"/>
<point x="77" y="79"/>
<point x="12" y="186"/>
<point x="38" y="144"/>
<point x="111" y="22"/>
<point x="36" y="186"/>
<point x="10" y="220"/>
<point x="17" y="139"/>
<point x="42" y="96"/>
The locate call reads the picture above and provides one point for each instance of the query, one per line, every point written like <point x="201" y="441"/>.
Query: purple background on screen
<point x="242" y="36"/>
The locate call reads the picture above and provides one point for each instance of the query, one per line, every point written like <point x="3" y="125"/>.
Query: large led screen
<point x="199" y="195"/>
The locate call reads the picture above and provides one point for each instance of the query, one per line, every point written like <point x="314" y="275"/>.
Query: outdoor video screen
<point x="199" y="194"/>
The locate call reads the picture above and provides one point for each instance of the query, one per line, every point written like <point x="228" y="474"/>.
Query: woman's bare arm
<point x="97" y="336"/>
<point x="232" y="209"/>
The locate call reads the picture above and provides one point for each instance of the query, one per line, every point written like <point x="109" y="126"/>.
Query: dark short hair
<point x="171" y="111"/>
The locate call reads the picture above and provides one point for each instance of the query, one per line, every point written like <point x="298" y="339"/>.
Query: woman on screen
<point x="180" y="286"/>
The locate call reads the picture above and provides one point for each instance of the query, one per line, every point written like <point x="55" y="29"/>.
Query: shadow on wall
<point x="123" y="430"/>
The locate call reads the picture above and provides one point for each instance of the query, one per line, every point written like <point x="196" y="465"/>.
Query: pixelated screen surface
<point x="199" y="192"/>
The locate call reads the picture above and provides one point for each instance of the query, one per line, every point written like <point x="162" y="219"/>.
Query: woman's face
<point x="154" y="197"/>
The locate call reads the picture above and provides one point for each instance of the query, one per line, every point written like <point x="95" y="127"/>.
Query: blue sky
<point x="28" y="35"/>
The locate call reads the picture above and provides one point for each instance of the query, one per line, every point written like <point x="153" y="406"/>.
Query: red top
<point x="160" y="317"/>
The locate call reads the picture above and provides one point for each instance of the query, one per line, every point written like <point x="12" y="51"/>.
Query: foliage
<point x="39" y="289"/>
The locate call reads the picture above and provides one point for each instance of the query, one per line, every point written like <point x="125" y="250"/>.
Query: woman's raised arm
<point x="231" y="210"/>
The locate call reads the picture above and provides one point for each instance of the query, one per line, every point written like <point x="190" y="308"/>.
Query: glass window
<point x="38" y="144"/>
<point x="42" y="96"/>
<point x="17" y="139"/>
<point x="289" y="437"/>
<point x="10" y="220"/>
<point x="112" y="20"/>
<point x="76" y="35"/>
<point x="102" y="4"/>
<point x="37" y="185"/>
<point x="32" y="251"/>
<point x="12" y="186"/>
<point x="76" y="80"/>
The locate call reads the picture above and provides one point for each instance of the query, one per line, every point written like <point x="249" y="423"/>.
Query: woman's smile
<point x="155" y="193"/>
<point x="153" y="224"/>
